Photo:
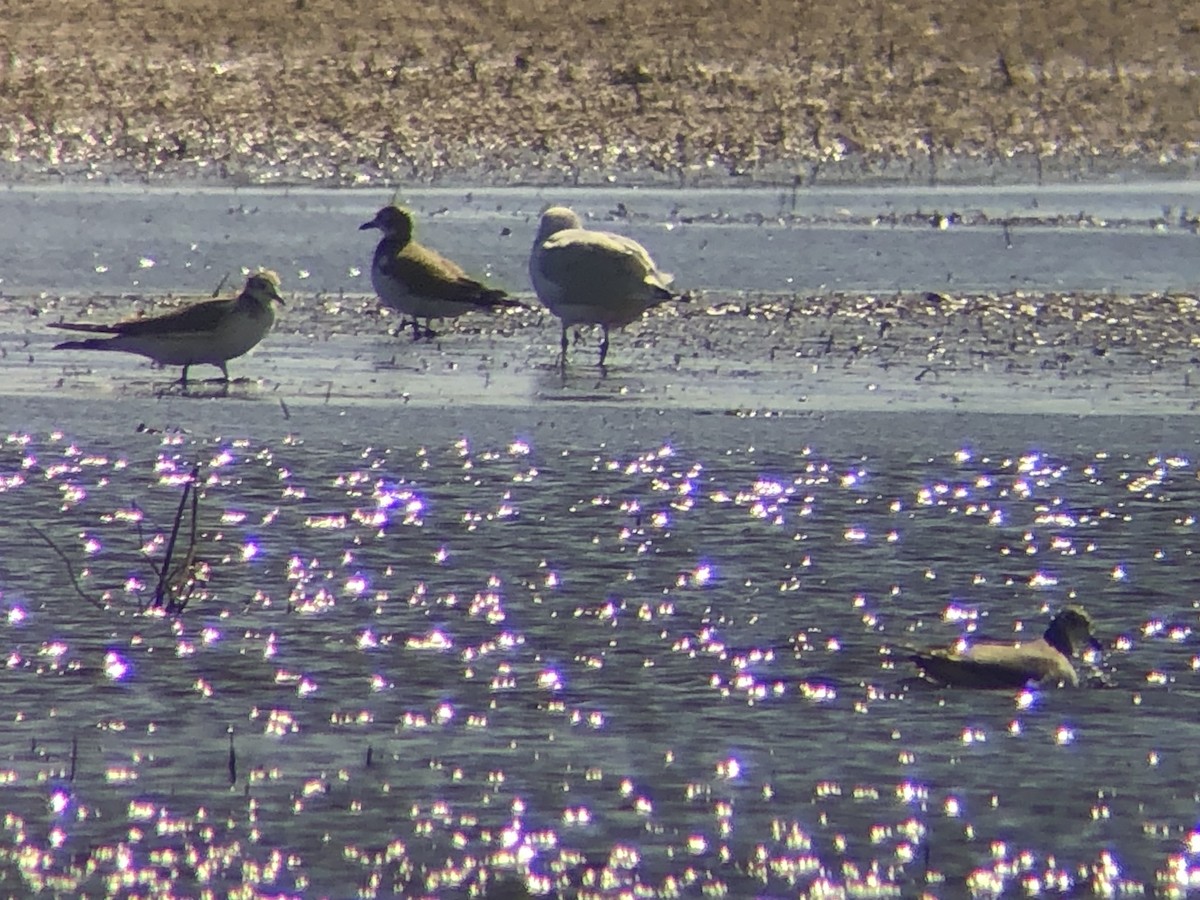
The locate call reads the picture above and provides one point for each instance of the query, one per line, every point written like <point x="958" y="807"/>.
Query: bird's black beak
<point x="365" y="225"/>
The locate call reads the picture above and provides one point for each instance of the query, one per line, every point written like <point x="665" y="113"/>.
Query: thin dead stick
<point x="70" y="569"/>
<point x="181" y="584"/>
<point x="164" y="575"/>
<point x="142" y="538"/>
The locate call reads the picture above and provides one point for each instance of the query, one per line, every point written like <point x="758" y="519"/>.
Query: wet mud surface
<point x="959" y="299"/>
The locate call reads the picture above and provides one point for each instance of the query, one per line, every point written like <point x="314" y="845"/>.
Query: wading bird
<point x="211" y="332"/>
<point x="419" y="282"/>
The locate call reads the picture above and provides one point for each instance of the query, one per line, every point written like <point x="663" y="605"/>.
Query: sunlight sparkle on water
<point x="59" y="801"/>
<point x="956" y="613"/>
<point x="432" y="640"/>
<point x="115" y="668"/>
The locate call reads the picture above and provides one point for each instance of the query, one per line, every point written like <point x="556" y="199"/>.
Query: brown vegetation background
<point x="347" y="91"/>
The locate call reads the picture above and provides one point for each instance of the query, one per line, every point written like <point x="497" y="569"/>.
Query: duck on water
<point x="1044" y="661"/>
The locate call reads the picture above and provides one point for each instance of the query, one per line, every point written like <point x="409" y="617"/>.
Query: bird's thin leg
<point x="183" y="378"/>
<point x="416" y="329"/>
<point x="224" y="371"/>
<point x="562" y="355"/>
<point x="603" y="345"/>
<point x="429" y="332"/>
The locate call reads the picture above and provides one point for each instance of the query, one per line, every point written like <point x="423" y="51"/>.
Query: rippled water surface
<point x="591" y="652"/>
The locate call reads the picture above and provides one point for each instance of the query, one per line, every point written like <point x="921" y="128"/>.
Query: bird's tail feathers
<point x="496" y="298"/>
<point x="89" y="327"/>
<point x="662" y="294"/>
<point x="89" y="344"/>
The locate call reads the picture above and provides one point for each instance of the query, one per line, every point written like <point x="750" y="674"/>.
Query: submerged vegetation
<point x="179" y="574"/>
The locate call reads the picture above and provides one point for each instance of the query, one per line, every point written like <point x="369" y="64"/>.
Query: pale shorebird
<point x="419" y="282"/>
<point x="996" y="664"/>
<point x="208" y="333"/>
<point x="592" y="277"/>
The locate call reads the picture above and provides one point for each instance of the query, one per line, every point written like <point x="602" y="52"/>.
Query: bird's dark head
<point x="394" y="222"/>
<point x="1070" y="632"/>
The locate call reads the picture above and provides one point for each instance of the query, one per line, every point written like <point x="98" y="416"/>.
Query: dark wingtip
<point x="497" y="298"/>
<point x="89" y="344"/>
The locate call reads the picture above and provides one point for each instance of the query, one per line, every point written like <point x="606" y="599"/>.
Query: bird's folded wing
<point x="577" y="256"/>
<point x="654" y="276"/>
<point x="954" y="669"/>
<point x="416" y="262"/>
<point x="427" y="272"/>
<point x="200" y="317"/>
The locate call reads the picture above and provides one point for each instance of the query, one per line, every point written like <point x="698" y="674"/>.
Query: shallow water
<point x="474" y="627"/>
<point x="1097" y="237"/>
<point x="594" y="651"/>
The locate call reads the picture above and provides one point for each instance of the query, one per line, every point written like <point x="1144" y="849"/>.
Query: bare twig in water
<point x="175" y="584"/>
<point x="176" y="581"/>
<point x="70" y="569"/>
<point x="232" y="760"/>
<point x="142" y="537"/>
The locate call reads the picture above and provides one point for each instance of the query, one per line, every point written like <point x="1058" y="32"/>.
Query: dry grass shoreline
<point x="334" y="92"/>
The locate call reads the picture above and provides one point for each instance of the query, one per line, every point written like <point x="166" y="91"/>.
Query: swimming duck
<point x="1045" y="661"/>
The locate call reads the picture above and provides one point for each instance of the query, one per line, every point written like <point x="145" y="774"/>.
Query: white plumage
<point x="592" y="277"/>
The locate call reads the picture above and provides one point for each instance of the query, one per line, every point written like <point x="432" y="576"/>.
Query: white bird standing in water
<point x="208" y="333"/>
<point x="592" y="277"/>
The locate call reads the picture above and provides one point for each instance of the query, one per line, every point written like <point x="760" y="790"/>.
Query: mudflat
<point x="350" y="92"/>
